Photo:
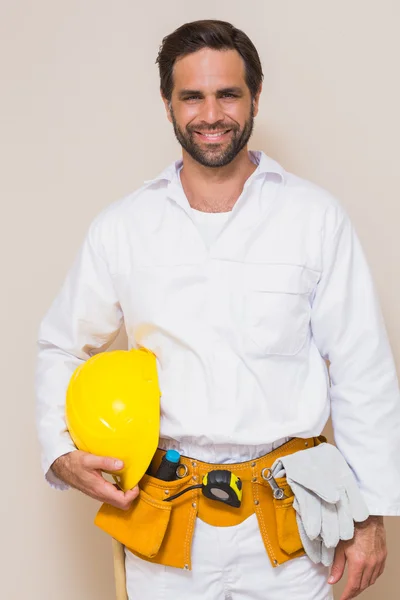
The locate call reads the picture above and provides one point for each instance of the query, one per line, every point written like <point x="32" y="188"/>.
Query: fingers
<point x="381" y="569"/>
<point x="327" y="555"/>
<point x="87" y="478"/>
<point x="375" y="571"/>
<point x="104" y="463"/>
<point x="355" y="575"/>
<point x="108" y="493"/>
<point x="309" y="504"/>
<point x="346" y="523"/>
<point x="82" y="471"/>
<point x="338" y="565"/>
<point x="130" y="495"/>
<point x="330" y="525"/>
<point x="362" y="575"/>
<point x="366" y="579"/>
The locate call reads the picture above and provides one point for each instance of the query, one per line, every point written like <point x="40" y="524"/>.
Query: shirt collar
<point x="265" y="166"/>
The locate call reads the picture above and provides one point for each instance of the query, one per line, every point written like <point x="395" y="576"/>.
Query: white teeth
<point x="211" y="135"/>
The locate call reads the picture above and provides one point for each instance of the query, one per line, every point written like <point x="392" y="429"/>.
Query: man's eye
<point x="192" y="98"/>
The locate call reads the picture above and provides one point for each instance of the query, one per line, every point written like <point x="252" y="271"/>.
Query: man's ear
<point x="256" y="100"/>
<point x="167" y="104"/>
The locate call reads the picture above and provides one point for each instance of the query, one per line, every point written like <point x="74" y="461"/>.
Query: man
<point x="243" y="280"/>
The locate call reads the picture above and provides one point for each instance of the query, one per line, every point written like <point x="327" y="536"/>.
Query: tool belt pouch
<point x="278" y="525"/>
<point x="286" y="524"/>
<point x="277" y="518"/>
<point x="146" y="528"/>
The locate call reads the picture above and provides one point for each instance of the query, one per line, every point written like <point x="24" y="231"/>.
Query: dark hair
<point x="197" y="35"/>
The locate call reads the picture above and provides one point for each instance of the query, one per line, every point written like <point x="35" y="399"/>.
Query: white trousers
<point x="228" y="563"/>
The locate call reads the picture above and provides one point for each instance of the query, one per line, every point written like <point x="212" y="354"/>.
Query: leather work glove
<point x="315" y="549"/>
<point x="327" y="498"/>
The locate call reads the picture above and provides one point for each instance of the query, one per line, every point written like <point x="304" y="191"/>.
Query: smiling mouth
<point x="213" y="137"/>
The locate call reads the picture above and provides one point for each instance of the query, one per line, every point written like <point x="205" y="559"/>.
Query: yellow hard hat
<point x="113" y="409"/>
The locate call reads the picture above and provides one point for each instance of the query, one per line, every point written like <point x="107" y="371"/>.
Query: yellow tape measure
<point x="221" y="485"/>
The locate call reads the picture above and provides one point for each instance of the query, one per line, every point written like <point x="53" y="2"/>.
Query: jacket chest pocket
<point x="277" y="308"/>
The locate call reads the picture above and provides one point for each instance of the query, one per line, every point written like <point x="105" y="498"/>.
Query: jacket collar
<point x="266" y="166"/>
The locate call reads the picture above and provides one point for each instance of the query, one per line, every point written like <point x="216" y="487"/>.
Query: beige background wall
<point x="82" y="124"/>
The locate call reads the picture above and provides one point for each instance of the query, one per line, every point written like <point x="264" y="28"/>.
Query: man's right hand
<point x="83" y="471"/>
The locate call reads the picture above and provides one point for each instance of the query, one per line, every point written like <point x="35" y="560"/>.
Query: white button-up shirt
<point x="241" y="327"/>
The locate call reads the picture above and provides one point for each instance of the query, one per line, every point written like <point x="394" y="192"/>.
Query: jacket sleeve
<point x="83" y="320"/>
<point x="349" y="331"/>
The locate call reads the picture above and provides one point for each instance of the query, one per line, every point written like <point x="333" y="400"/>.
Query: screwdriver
<point x="169" y="463"/>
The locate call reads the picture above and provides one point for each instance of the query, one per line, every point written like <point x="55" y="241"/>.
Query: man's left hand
<point x="365" y="554"/>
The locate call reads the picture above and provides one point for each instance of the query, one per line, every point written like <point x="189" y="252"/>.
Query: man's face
<point x="211" y="106"/>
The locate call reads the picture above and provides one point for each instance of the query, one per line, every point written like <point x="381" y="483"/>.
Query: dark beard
<point x="214" y="157"/>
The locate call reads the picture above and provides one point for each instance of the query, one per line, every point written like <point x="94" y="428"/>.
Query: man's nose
<point x="211" y="110"/>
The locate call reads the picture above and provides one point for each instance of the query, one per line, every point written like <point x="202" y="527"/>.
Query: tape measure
<point x="220" y="485"/>
<point x="223" y="486"/>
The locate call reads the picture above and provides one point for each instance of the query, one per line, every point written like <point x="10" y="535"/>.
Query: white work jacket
<point x="241" y="328"/>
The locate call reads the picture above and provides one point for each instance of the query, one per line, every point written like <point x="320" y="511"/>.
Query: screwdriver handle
<point x="167" y="469"/>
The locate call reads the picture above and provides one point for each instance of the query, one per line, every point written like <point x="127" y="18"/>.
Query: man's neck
<point x="216" y="189"/>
